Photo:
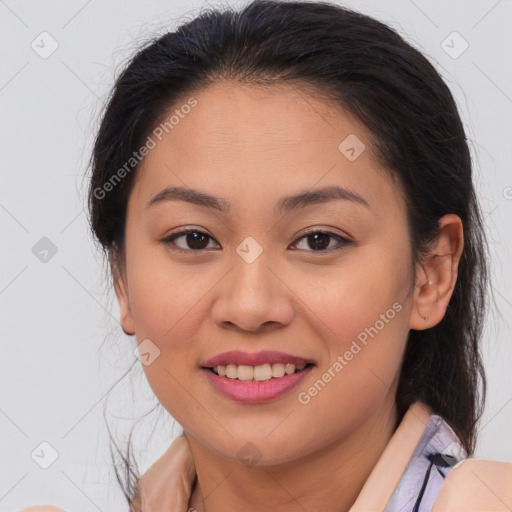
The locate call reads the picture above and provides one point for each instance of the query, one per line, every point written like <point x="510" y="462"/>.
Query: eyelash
<point x="170" y="239"/>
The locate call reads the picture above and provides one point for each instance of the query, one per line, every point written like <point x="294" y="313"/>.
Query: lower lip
<point x="251" y="391"/>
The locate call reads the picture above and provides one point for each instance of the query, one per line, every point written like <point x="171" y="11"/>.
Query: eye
<point x="319" y="241"/>
<point x="195" y="239"/>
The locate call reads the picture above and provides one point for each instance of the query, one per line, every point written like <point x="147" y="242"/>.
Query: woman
<point x="285" y="196"/>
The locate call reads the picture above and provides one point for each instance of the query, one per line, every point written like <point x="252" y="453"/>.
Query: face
<point x="324" y="279"/>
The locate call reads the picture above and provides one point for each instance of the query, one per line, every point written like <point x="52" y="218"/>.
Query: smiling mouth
<point x="259" y="373"/>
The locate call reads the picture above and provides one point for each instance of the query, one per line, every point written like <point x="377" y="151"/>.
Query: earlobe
<point x="437" y="275"/>
<point x="126" y="318"/>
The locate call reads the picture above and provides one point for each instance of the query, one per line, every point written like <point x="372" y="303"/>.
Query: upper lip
<point x="253" y="358"/>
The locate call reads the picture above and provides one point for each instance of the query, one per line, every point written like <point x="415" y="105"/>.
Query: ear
<point x="120" y="288"/>
<point x="437" y="274"/>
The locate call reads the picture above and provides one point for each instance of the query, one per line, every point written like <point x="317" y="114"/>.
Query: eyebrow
<point x="284" y="205"/>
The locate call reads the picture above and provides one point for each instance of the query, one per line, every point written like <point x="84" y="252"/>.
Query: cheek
<point x="365" y="293"/>
<point x="361" y="314"/>
<point x="164" y="296"/>
<point x="167" y="304"/>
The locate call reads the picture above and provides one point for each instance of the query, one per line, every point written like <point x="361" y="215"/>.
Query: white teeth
<point x="261" y="372"/>
<point x="232" y="371"/>
<point x="289" y="368"/>
<point x="278" y="370"/>
<point x="245" y="372"/>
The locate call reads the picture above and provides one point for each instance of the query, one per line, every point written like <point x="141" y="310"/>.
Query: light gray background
<point x="56" y="314"/>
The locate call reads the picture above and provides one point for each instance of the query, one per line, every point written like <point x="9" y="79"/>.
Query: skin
<point x="268" y="143"/>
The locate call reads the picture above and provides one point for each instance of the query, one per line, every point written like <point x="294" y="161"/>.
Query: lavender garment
<point x="438" y="438"/>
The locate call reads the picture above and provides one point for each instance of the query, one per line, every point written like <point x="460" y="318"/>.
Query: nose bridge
<point x="251" y="277"/>
<point x="252" y="295"/>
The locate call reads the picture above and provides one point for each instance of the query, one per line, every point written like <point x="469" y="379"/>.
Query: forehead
<point x="256" y="139"/>
<point x="271" y="118"/>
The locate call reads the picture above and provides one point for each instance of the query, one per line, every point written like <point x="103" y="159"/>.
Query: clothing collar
<point x="399" y="478"/>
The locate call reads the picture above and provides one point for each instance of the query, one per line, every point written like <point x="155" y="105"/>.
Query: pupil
<point x="315" y="237"/>
<point x="195" y="244"/>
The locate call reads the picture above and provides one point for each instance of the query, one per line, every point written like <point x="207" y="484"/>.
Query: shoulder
<point x="475" y="485"/>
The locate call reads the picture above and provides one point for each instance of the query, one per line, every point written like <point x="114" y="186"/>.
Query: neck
<point x="328" y="480"/>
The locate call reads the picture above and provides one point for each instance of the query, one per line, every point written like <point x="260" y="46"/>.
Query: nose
<point x="253" y="297"/>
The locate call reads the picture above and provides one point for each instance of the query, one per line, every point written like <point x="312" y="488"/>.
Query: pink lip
<point x="251" y="391"/>
<point x="253" y="359"/>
